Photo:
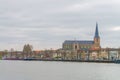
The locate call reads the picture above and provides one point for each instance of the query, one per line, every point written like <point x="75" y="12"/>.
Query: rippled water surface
<point x="39" y="70"/>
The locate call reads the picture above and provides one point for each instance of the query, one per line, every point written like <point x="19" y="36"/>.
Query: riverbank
<point x="91" y="61"/>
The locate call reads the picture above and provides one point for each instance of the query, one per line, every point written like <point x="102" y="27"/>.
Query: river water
<point x="40" y="70"/>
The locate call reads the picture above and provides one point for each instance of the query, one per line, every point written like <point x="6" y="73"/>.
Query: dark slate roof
<point x="96" y="31"/>
<point x="77" y="41"/>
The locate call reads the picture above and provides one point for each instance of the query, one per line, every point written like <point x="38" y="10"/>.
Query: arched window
<point x="75" y="46"/>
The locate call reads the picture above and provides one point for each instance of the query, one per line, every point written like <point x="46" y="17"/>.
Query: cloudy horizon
<point x="47" y="24"/>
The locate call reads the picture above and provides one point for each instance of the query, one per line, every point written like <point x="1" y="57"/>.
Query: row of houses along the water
<point x="60" y="54"/>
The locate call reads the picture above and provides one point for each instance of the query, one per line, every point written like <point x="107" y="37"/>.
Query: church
<point x="83" y="44"/>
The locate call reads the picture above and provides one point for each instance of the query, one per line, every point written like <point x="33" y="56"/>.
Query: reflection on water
<point x="39" y="70"/>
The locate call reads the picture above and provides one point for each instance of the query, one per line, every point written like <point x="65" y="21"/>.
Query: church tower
<point x="96" y="38"/>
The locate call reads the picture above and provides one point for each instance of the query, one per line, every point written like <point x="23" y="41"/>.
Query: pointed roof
<point x="96" y="31"/>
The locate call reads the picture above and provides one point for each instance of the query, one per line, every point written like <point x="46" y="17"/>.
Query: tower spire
<point x="96" y="31"/>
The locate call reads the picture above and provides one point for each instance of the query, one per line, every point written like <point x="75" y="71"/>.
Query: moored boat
<point x="117" y="61"/>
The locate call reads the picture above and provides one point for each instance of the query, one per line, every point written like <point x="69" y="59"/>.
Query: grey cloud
<point x="50" y="22"/>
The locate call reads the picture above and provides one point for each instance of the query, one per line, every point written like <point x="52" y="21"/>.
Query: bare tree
<point x="27" y="50"/>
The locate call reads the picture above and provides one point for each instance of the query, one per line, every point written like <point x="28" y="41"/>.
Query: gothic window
<point x="75" y="46"/>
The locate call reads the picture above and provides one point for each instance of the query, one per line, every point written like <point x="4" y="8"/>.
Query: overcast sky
<point x="46" y="24"/>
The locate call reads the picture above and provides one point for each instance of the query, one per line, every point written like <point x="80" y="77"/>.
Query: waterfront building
<point x="83" y="44"/>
